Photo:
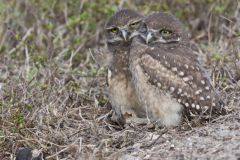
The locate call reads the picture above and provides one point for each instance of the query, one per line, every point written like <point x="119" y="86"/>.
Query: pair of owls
<point x="153" y="72"/>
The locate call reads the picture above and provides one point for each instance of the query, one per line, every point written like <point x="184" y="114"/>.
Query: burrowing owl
<point x="166" y="73"/>
<point x="121" y="28"/>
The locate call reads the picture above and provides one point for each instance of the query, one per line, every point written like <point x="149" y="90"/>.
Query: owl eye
<point x="165" y="32"/>
<point x="134" y="24"/>
<point x="114" y="30"/>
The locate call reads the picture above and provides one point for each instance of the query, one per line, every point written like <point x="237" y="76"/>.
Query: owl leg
<point x="127" y="116"/>
<point x="131" y="118"/>
<point x="117" y="116"/>
<point x="122" y="114"/>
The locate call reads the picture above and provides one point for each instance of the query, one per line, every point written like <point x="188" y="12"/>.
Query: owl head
<point x="162" y="28"/>
<point x="123" y="26"/>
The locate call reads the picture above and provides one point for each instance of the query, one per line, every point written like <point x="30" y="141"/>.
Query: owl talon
<point x="119" y="119"/>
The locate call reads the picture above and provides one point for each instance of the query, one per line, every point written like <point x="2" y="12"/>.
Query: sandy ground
<point x="220" y="140"/>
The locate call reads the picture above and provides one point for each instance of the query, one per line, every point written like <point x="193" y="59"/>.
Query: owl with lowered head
<point x="120" y="29"/>
<point x="166" y="74"/>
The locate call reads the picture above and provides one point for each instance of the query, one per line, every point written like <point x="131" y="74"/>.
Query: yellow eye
<point x="114" y="30"/>
<point x="166" y="32"/>
<point x="133" y="25"/>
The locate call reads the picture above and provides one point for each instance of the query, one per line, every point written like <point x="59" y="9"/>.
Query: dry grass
<point x="52" y="93"/>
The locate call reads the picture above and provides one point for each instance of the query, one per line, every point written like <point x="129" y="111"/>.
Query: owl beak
<point x="124" y="34"/>
<point x="149" y="37"/>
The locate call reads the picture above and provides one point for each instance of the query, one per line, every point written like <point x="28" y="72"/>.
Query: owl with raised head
<point x="166" y="74"/>
<point x="121" y="28"/>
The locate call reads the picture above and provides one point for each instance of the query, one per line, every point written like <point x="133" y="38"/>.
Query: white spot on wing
<point x="193" y="105"/>
<point x="202" y="98"/>
<point x="197" y="106"/>
<point x="198" y="92"/>
<point x="203" y="82"/>
<point x="172" y="89"/>
<point x="185" y="79"/>
<point x="174" y="69"/>
<point x="205" y="107"/>
<point x="179" y="91"/>
<point x="181" y="73"/>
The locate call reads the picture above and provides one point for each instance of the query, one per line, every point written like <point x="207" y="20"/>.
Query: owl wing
<point x="177" y="71"/>
<point x="159" y="107"/>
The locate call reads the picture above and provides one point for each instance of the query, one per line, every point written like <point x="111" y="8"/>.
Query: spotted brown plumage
<point x="121" y="28"/>
<point x="162" y="61"/>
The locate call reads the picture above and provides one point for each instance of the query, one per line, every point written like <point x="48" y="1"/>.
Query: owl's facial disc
<point x="162" y="36"/>
<point x="133" y="27"/>
<point x="113" y="34"/>
<point x="123" y="33"/>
